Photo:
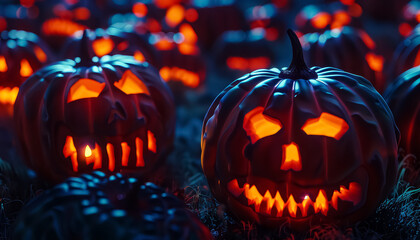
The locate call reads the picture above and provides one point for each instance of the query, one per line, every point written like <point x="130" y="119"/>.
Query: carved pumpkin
<point x="113" y="114"/>
<point x="183" y="65"/>
<point x="406" y="55"/>
<point x="99" y="207"/>
<point x="319" y="18"/>
<point x="300" y="145"/>
<point x="21" y="54"/>
<point x="110" y="42"/>
<point x="403" y="97"/>
<point x="240" y="52"/>
<point x="349" y="49"/>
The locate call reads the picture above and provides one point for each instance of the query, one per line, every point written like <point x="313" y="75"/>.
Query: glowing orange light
<point x="122" y="46"/>
<point x="93" y="156"/>
<point x="140" y="9"/>
<point x="347" y="2"/>
<point x="125" y="154"/>
<point x="151" y="141"/>
<point x="188" y="32"/>
<point x="417" y="59"/>
<point x="111" y="157"/>
<point x="243" y="64"/>
<point x="69" y="150"/>
<point x="153" y="25"/>
<point x="174" y="15"/>
<point x="405" y="29"/>
<point x="291" y="158"/>
<point x="165" y="3"/>
<point x="139" y="153"/>
<point x="326" y="125"/>
<point x="188" y="49"/>
<point x="257" y="125"/>
<point x="88" y="151"/>
<point x="8" y="95"/>
<point x="3" y="24"/>
<point x="418" y="16"/>
<point x="188" y="78"/>
<point x="85" y="88"/>
<point x="367" y="39"/>
<point x="82" y="13"/>
<point x="25" y="68"/>
<point x="27" y="3"/>
<point x="40" y="54"/>
<point x="271" y="34"/>
<point x="237" y="63"/>
<point x="102" y="46"/>
<point x="191" y="15"/>
<point x="139" y="56"/>
<point x="321" y="20"/>
<point x="341" y="18"/>
<point x="376" y="62"/>
<point x="264" y="204"/>
<point x="61" y="27"/>
<point x="131" y="84"/>
<point x="355" y="10"/>
<point x="3" y="64"/>
<point x="258" y="63"/>
<point x="164" y="44"/>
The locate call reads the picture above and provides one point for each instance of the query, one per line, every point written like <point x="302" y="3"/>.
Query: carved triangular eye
<point x="25" y="68"/>
<point x="326" y="125"/>
<point x="257" y="125"/>
<point x="131" y="84"/>
<point x="85" y="88"/>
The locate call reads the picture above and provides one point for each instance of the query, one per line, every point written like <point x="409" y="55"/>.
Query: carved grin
<point x="274" y="204"/>
<point x="111" y="155"/>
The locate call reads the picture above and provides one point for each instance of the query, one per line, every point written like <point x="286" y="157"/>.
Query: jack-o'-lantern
<point x="110" y="42"/>
<point x="406" y="56"/>
<point x="403" y="97"/>
<point x="319" y="18"/>
<point x="346" y="48"/>
<point x="112" y="114"/>
<point x="95" y="206"/>
<point x="183" y="66"/>
<point x="300" y="145"/>
<point x="239" y="52"/>
<point x="21" y="54"/>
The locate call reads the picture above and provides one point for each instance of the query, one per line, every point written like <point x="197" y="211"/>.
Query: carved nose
<point x="117" y="113"/>
<point x="291" y="158"/>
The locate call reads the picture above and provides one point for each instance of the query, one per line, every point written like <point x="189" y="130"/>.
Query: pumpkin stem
<point x="85" y="53"/>
<point x="297" y="68"/>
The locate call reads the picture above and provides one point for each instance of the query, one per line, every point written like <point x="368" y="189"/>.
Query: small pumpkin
<point x="21" y="54"/>
<point x="347" y="48"/>
<point x="110" y="42"/>
<point x="300" y="146"/>
<point x="113" y="114"/>
<point x="239" y="52"/>
<point x="403" y="97"/>
<point x="99" y="207"/>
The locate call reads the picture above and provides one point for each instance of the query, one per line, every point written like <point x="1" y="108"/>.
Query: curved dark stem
<point x="85" y="53"/>
<point x="297" y="68"/>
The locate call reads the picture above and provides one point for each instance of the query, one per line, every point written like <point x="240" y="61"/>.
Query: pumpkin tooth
<point x="321" y="203"/>
<point x="304" y="206"/>
<point x="234" y="188"/>
<point x="111" y="156"/>
<point x="139" y="152"/>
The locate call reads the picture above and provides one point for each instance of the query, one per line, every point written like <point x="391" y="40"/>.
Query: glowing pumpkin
<point x="403" y="97"/>
<point x="240" y="52"/>
<point x="21" y="54"/>
<point x="112" y="114"/>
<point x="268" y="17"/>
<point x="300" y="145"/>
<point x="112" y="207"/>
<point x="110" y="42"/>
<point x="349" y="49"/>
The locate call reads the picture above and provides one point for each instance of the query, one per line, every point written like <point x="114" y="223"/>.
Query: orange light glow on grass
<point x="188" y="78"/>
<point x="174" y="15"/>
<point x="291" y="158"/>
<point x="139" y="56"/>
<point x="40" y="54"/>
<point x="102" y="46"/>
<point x="25" y="68"/>
<point x="376" y="62"/>
<point x="3" y="64"/>
<point x="140" y="9"/>
<point x="321" y="20"/>
<point x="151" y="141"/>
<point x="8" y="95"/>
<point x="131" y="84"/>
<point x="257" y="125"/>
<point x="85" y="88"/>
<point x="326" y="125"/>
<point x="265" y="204"/>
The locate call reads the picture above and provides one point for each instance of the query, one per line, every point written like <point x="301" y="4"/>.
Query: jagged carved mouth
<point x="273" y="205"/>
<point x="115" y="154"/>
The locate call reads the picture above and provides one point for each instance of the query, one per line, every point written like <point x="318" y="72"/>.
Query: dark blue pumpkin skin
<point x="366" y="153"/>
<point x="96" y="206"/>
<point x="403" y="97"/>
